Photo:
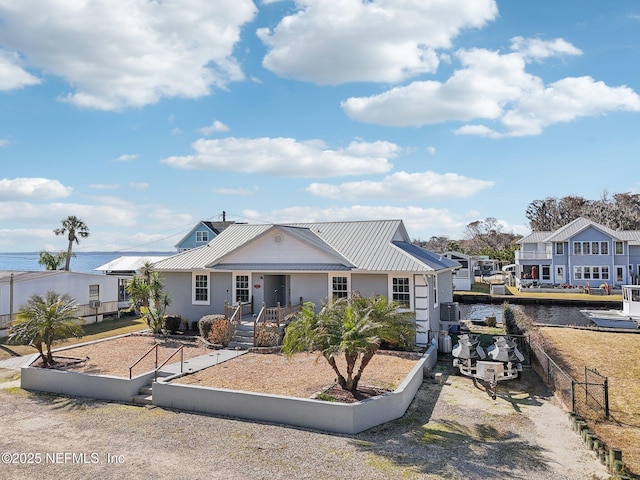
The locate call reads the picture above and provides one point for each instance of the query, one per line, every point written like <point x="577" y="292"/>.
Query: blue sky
<point x="144" y="117"/>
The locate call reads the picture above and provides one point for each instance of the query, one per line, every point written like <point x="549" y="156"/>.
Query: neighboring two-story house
<point x="201" y="234"/>
<point x="582" y="253"/>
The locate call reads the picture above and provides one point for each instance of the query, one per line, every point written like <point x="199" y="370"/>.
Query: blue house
<point x="583" y="253"/>
<point x="201" y="234"/>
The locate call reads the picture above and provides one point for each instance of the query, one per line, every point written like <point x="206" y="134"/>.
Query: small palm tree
<point x="149" y="298"/>
<point x="74" y="228"/>
<point x="52" y="261"/>
<point x="354" y="327"/>
<point x="42" y="320"/>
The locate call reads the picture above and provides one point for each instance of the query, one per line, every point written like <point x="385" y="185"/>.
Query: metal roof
<point x="280" y="267"/>
<point x="361" y="245"/>
<point x="534" y="237"/>
<point x="576" y="226"/>
<point x="129" y="263"/>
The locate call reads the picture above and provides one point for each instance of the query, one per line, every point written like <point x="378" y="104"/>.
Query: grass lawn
<point x="616" y="356"/>
<point x="92" y="331"/>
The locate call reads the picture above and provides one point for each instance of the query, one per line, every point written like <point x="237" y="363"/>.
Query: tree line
<point x="620" y="211"/>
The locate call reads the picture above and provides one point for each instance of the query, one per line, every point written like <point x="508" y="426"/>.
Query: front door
<point x="275" y="290"/>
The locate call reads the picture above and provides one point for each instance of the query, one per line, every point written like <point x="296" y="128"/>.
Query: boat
<point x="628" y="317"/>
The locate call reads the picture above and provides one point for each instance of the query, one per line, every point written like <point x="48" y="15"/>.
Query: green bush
<point x="172" y="323"/>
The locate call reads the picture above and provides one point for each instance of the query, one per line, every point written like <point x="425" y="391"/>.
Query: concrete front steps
<point x="145" y="393"/>
<point x="243" y="338"/>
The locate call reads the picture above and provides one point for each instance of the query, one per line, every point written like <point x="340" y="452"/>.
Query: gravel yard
<point x="300" y="376"/>
<point x="453" y="431"/>
<point x="115" y="356"/>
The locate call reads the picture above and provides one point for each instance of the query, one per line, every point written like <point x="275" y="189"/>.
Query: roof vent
<point x="278" y="238"/>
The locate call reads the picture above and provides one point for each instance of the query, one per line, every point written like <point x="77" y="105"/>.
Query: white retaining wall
<point x="301" y="412"/>
<point x="81" y="384"/>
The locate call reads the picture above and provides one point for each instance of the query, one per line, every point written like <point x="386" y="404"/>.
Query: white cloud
<point x="537" y="49"/>
<point x="127" y="157"/>
<point x="420" y="222"/>
<point x="4" y="142"/>
<point x="127" y="54"/>
<point x="286" y="157"/>
<point x="138" y="185"/>
<point x="216" y="126"/>
<point x="495" y="87"/>
<point x="43" y="214"/>
<point x="237" y="191"/>
<point x="104" y="186"/>
<point x="431" y="150"/>
<point x="404" y="186"/>
<point x="351" y="40"/>
<point x="12" y="75"/>
<point x="32" y="188"/>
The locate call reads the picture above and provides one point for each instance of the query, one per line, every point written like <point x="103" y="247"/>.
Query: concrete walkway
<point x="203" y="361"/>
<point x="16" y="363"/>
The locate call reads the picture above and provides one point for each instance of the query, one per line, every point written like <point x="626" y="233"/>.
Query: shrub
<point x="216" y="329"/>
<point x="268" y="335"/>
<point x="172" y="323"/>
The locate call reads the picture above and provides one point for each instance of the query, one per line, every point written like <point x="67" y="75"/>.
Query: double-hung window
<point x="400" y="291"/>
<point x="200" y="283"/>
<point x="339" y="287"/>
<point x="242" y="288"/>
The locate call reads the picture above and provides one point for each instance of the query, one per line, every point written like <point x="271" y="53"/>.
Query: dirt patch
<point x="115" y="356"/>
<point x="302" y="375"/>
<point x="452" y="430"/>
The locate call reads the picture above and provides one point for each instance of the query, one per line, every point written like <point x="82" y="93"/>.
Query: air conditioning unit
<point x="94" y="303"/>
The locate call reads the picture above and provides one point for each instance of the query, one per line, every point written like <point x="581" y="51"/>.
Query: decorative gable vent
<point x="278" y="238"/>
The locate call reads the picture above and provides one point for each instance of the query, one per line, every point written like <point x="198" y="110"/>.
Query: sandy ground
<point x="452" y="430"/>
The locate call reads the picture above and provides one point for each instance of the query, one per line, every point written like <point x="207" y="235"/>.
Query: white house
<point x="96" y="295"/>
<point x="317" y="262"/>
<point x="124" y="268"/>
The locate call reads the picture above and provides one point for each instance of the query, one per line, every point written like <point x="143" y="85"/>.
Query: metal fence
<point x="585" y="398"/>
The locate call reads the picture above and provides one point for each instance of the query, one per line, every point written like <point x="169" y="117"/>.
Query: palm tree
<point x="149" y="298"/>
<point x="42" y="320"/>
<point x="73" y="227"/>
<point x="354" y="327"/>
<point x="52" y="261"/>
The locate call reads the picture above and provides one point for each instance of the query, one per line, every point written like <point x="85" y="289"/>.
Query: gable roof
<point x="379" y="245"/>
<point x="576" y="226"/>
<point x="213" y="227"/>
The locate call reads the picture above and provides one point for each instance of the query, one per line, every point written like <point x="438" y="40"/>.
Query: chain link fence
<point x="584" y="398"/>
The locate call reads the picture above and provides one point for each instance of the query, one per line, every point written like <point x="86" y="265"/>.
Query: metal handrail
<point x="181" y="350"/>
<point x="155" y="347"/>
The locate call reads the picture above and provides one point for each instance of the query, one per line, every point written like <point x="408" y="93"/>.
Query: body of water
<point x="83" y="262"/>
<point x="87" y="262"/>
<point x="549" y="314"/>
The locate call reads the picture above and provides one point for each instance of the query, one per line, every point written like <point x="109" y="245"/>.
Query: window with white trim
<point x="200" y="283"/>
<point x="619" y="274"/>
<point x="339" y="287"/>
<point x="559" y="248"/>
<point x="242" y="288"/>
<point x="591" y="273"/>
<point x="577" y="273"/>
<point x="94" y="291"/>
<point x="400" y="292"/>
<point x="202" y="236"/>
<point x="619" y="248"/>
<point x="593" y="248"/>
